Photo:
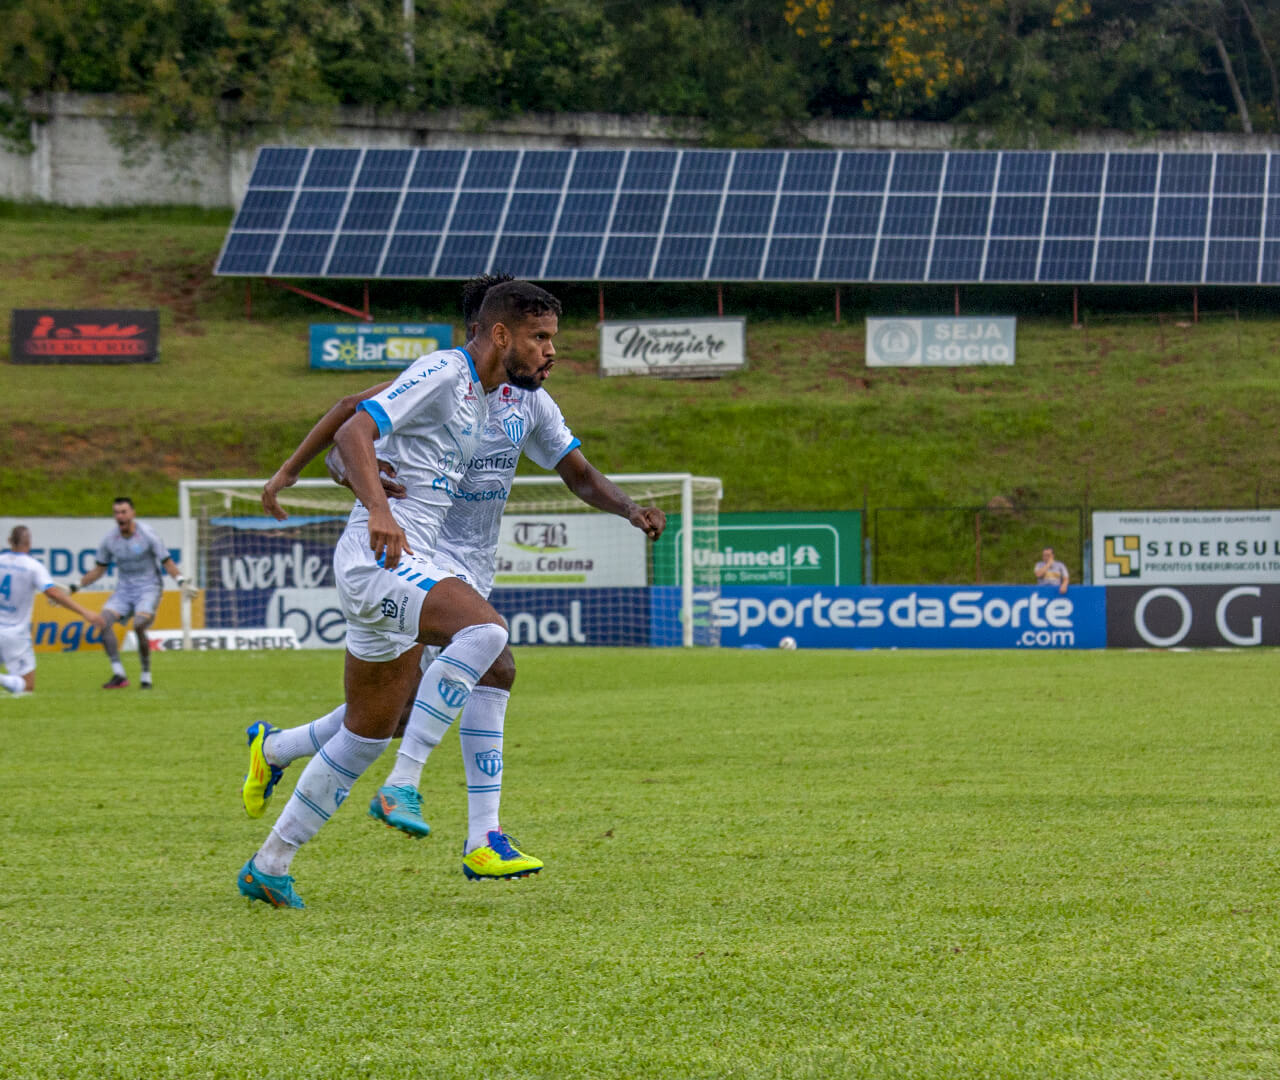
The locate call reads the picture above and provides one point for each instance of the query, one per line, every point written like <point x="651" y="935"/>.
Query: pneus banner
<point x="67" y="336"/>
<point x="1188" y="616"/>
<point x="912" y="617"/>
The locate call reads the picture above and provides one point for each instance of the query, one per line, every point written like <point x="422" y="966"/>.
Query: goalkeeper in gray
<point x="139" y="555"/>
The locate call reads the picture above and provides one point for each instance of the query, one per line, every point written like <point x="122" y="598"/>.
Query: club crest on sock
<point x="490" y="762"/>
<point x="340" y="796"/>
<point x="453" y="692"/>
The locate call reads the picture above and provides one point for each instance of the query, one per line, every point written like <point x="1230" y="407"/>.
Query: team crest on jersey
<point x="514" y="427"/>
<point x="454" y="693"/>
<point x="490" y="762"/>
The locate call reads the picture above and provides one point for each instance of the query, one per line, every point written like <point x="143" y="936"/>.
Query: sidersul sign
<point x="1186" y="547"/>
<point x="1193" y="616"/>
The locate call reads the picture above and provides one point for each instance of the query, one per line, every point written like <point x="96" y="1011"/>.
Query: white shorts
<point x="382" y="607"/>
<point x="452" y="568"/>
<point x="134" y="600"/>
<point x="16" y="653"/>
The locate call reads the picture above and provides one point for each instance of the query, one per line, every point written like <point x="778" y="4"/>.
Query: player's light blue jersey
<point x="519" y="421"/>
<point x="21" y="577"/>
<point x="429" y="422"/>
<point x="138" y="558"/>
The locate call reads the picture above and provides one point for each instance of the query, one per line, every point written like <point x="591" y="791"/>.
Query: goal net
<point x="565" y="574"/>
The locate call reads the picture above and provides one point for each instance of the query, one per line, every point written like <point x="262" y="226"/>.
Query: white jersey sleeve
<point x="426" y="392"/>
<point x="549" y="436"/>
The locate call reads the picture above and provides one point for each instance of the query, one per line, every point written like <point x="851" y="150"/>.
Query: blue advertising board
<point x="906" y="617"/>
<point x="368" y="346"/>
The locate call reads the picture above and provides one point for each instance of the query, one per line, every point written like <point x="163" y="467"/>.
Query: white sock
<point x="146" y="678"/>
<point x="323" y="786"/>
<point x="282" y="748"/>
<point x="480" y="736"/>
<point x="15" y="684"/>
<point x="443" y="692"/>
<point x="117" y="666"/>
<point x="422" y="734"/>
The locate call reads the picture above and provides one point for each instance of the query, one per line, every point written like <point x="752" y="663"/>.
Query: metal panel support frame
<point x="365" y="315"/>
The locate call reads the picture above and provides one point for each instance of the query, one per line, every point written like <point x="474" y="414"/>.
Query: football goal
<point x="565" y="573"/>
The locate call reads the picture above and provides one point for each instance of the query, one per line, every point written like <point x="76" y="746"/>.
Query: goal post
<point x="565" y="573"/>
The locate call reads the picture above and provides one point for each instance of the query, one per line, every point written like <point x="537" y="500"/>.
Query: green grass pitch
<point x="759" y="864"/>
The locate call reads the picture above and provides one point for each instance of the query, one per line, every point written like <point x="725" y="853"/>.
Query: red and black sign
<point x="64" y="336"/>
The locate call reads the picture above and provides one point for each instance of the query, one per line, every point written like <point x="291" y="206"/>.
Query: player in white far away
<point x="139" y="555"/>
<point x="521" y="419"/>
<point x="21" y="577"/>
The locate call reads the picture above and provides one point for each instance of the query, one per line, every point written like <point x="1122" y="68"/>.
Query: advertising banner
<point x="796" y="548"/>
<point x="1186" y="547"/>
<point x="373" y="346"/>
<point x="575" y="616"/>
<point x="55" y="629"/>
<point x="84" y="336"/>
<point x="1211" y="616"/>
<point x="234" y="640"/>
<point x="673" y="348"/>
<point x="912" y="617"/>
<point x="67" y="546"/>
<point x="587" y="550"/>
<point x="940" y="342"/>
<point x="264" y="573"/>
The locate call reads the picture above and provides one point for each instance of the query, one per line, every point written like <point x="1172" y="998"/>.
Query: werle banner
<point x="673" y="348"/>
<point x="1186" y="547"/>
<point x="940" y="342"/>
<point x="84" y="336"/>
<point x="591" y="550"/>
<point x="371" y="346"/>
<point x="795" y="548"/>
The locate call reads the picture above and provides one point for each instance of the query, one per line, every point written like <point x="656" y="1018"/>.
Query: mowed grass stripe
<point x="827" y="864"/>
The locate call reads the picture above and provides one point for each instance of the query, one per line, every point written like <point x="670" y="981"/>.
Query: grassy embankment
<point x="1125" y="413"/>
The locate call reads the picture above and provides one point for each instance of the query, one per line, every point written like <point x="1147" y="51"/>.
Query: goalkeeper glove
<point x="188" y="589"/>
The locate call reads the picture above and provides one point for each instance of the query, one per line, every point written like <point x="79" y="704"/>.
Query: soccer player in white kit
<point x="522" y="419"/>
<point x="394" y="596"/>
<point x="139" y="555"/>
<point x="21" y="577"/>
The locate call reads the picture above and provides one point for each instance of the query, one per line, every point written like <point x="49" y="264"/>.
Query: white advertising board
<point x="569" y="549"/>
<point x="1186" y="547"/>
<point x="673" y="348"/>
<point x="940" y="342"/>
<point x="67" y="545"/>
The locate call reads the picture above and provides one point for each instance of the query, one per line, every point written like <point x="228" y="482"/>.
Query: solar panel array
<point x="760" y="215"/>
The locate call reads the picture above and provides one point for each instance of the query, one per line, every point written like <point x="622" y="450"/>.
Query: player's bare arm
<point x="319" y="437"/>
<point x="88" y="579"/>
<point x="354" y="440"/>
<point x="595" y="489"/>
<point x="61" y="597"/>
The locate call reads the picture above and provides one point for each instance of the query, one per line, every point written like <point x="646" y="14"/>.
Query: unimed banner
<point x="84" y="336"/>
<point x="940" y="342"/>
<point x="1186" y="547"/>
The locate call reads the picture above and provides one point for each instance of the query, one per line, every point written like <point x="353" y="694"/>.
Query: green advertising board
<point x="798" y="548"/>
